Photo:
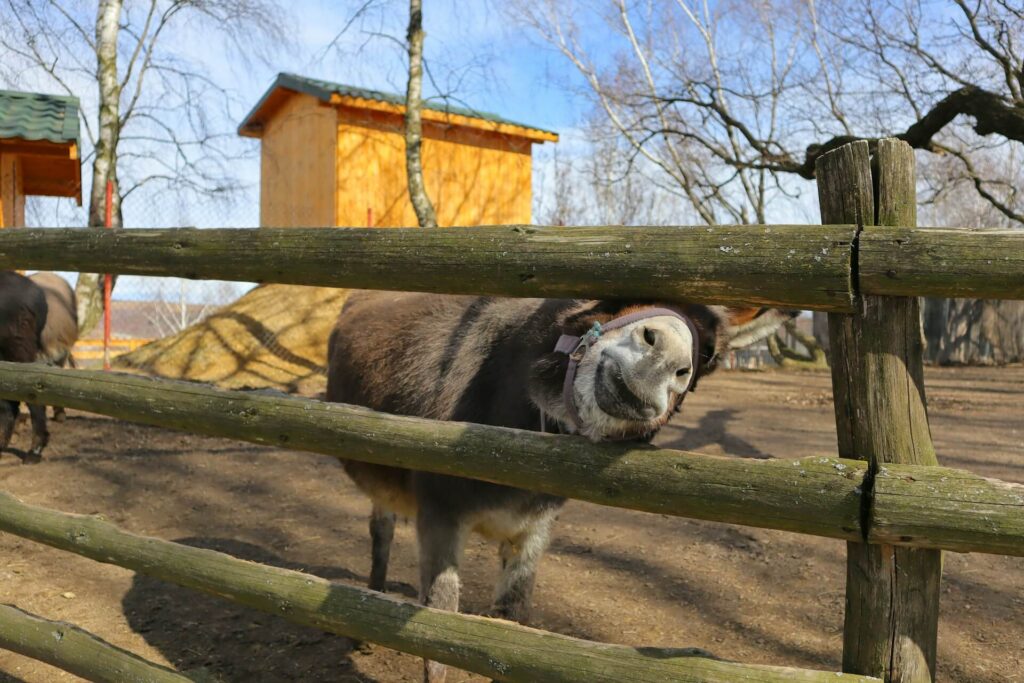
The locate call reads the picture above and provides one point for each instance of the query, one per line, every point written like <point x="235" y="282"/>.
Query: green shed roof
<point x="324" y="89"/>
<point x="33" y="116"/>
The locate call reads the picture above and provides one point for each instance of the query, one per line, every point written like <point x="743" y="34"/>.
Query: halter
<point x="577" y="347"/>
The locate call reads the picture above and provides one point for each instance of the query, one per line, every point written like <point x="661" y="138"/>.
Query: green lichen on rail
<point x="911" y="505"/>
<point x="814" y="495"/>
<point x="68" y="647"/>
<point x="951" y="262"/>
<point x="806" y="266"/>
<point x="941" y="507"/>
<point x="499" y="649"/>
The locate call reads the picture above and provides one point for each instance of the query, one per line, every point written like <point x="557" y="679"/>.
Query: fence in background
<point x="146" y="308"/>
<point x="885" y="495"/>
<point x="155" y="307"/>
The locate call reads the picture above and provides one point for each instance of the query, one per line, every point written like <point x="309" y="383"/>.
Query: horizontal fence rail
<point x="945" y="508"/>
<point x="812" y="496"/>
<point x="789" y="266"/>
<point x="805" y="266"/>
<point x="956" y="262"/>
<point x="499" y="649"/>
<point x="68" y="647"/>
<point x="933" y="507"/>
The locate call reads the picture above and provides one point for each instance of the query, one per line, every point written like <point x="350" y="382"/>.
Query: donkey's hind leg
<point x="382" y="531"/>
<point x="441" y="538"/>
<point x="519" y="559"/>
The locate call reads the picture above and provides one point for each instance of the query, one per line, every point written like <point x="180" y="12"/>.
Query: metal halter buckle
<point x="586" y="341"/>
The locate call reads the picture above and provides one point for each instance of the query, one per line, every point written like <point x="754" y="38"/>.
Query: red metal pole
<point x="107" y="281"/>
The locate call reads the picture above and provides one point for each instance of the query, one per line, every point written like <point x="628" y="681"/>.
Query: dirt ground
<point x="745" y="594"/>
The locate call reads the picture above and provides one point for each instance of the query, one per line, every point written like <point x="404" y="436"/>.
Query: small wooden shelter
<point x="38" y="151"/>
<point x="334" y="155"/>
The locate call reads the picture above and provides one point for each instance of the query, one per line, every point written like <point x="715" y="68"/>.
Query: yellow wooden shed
<point x="38" y="151"/>
<point x="334" y="155"/>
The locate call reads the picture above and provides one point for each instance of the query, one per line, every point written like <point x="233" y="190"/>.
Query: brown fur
<point x="61" y="330"/>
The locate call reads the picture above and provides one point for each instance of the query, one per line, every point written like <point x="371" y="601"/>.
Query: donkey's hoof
<point x="364" y="647"/>
<point x="33" y="457"/>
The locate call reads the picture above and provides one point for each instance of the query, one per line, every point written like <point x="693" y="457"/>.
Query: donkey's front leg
<point x="441" y="538"/>
<point x="519" y="559"/>
<point x="382" y="532"/>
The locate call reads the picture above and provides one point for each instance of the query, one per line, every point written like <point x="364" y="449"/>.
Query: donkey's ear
<point x="746" y="326"/>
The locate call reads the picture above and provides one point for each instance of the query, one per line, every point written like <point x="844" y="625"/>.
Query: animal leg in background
<point x="8" y="416"/>
<point x="441" y="538"/>
<point x="58" y="411"/>
<point x="382" y="531"/>
<point x="519" y="559"/>
<point x="40" y="435"/>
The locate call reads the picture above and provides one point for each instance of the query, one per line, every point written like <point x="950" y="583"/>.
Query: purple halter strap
<point x="576" y="347"/>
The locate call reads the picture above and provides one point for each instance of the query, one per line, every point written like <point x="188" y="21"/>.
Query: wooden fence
<point x="885" y="495"/>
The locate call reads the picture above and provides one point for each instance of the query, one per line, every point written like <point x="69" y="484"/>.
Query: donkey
<point x="61" y="330"/>
<point x="604" y="370"/>
<point x="23" y="312"/>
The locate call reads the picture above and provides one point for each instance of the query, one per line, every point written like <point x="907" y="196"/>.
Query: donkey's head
<point x="621" y="372"/>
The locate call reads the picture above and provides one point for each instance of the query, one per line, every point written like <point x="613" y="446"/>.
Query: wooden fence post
<point x="892" y="593"/>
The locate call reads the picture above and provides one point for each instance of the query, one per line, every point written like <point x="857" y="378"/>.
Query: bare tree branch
<point x="732" y="129"/>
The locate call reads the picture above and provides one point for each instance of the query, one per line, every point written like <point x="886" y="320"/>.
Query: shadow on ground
<point x="201" y="633"/>
<point x="713" y="428"/>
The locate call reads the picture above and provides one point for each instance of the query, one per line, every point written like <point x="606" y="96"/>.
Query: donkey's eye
<point x="649" y="336"/>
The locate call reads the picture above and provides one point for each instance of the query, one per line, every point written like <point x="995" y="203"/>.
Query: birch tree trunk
<point x="414" y="122"/>
<point x="104" y="168"/>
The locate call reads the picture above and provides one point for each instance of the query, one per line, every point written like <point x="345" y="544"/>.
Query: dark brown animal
<point x="492" y="361"/>
<point x="23" y="313"/>
<point x="61" y="330"/>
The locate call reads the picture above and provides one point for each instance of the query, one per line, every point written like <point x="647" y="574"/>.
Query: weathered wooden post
<point x="892" y="593"/>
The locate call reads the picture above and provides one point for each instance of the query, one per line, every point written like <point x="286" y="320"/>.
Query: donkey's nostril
<point x="649" y="336"/>
<point x="682" y="372"/>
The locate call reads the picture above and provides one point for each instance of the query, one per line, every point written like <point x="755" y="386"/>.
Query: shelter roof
<point x="347" y="95"/>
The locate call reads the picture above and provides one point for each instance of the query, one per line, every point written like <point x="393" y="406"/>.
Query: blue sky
<point x="514" y="79"/>
<point x="468" y="49"/>
<point x="490" y="63"/>
<point x="496" y="69"/>
<point x="516" y="76"/>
